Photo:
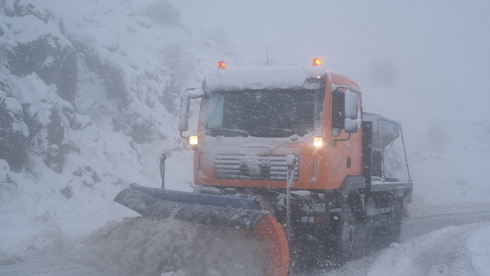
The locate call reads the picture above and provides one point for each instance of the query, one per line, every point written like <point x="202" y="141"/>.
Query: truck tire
<point x="342" y="245"/>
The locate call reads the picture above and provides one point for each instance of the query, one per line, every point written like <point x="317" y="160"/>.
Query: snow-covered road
<point x="449" y="244"/>
<point x="53" y="266"/>
<point x="455" y="250"/>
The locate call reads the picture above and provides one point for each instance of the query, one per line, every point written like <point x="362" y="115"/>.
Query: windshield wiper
<point x="227" y="132"/>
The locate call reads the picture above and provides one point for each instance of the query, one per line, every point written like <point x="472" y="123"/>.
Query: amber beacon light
<point x="221" y="65"/>
<point x="317" y="62"/>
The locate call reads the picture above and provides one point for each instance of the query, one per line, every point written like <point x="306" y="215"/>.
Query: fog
<point x="432" y="41"/>
<point x="423" y="63"/>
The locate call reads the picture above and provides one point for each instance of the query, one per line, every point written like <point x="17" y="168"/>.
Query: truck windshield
<point x="263" y="113"/>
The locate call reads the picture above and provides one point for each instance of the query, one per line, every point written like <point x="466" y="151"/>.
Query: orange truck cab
<point x="251" y="119"/>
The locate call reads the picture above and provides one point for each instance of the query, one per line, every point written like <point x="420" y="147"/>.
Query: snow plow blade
<point x="215" y="210"/>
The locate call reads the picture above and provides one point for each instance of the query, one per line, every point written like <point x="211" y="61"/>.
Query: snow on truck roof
<point x="270" y="77"/>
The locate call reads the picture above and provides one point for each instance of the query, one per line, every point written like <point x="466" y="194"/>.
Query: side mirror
<point x="351" y="126"/>
<point x="351" y="122"/>
<point x="184" y="112"/>
<point x="191" y="93"/>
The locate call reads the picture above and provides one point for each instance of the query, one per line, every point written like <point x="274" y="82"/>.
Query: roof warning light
<point x="221" y="65"/>
<point x="317" y="62"/>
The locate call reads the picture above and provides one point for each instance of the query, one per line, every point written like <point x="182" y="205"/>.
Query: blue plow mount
<point x="207" y="209"/>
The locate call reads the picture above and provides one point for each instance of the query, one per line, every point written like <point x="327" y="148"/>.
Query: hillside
<point x="89" y="97"/>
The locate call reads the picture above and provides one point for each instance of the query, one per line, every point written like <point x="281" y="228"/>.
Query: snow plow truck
<point x="289" y="154"/>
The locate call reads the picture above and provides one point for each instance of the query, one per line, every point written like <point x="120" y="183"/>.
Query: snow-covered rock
<point x="33" y="42"/>
<point x="88" y="99"/>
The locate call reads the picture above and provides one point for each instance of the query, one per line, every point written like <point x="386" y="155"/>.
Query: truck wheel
<point x="343" y="244"/>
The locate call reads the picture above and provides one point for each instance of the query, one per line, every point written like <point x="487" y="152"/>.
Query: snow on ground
<point x="136" y="246"/>
<point x="455" y="250"/>
<point x="145" y="246"/>
<point x="152" y="247"/>
<point x="479" y="247"/>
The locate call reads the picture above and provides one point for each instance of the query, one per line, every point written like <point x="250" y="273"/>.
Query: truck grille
<point x="259" y="167"/>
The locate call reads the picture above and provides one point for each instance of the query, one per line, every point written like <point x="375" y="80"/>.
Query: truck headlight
<point x="317" y="142"/>
<point x="193" y="140"/>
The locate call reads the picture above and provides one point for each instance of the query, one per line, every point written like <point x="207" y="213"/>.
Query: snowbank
<point x="479" y="246"/>
<point x="152" y="247"/>
<point x="459" y="250"/>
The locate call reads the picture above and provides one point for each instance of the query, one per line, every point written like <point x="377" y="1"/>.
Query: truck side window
<point x="338" y="111"/>
<point x="216" y="118"/>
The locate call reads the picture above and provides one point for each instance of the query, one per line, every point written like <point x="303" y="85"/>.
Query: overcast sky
<point x="436" y="38"/>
